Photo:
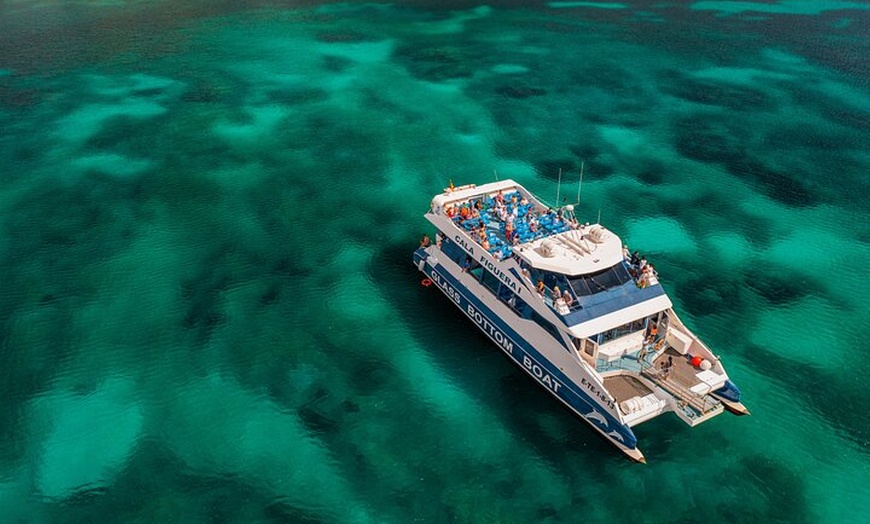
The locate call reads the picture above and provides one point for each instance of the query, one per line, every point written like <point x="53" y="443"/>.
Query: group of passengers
<point x="643" y="272"/>
<point x="513" y="211"/>
<point x="556" y="294"/>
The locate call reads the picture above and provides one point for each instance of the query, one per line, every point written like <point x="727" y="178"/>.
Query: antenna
<point x="580" y="185"/>
<point x="494" y="172"/>
<point x="599" y="215"/>
<point x="559" y="187"/>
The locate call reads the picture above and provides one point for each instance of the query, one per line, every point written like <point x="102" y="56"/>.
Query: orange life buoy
<point x="426" y="282"/>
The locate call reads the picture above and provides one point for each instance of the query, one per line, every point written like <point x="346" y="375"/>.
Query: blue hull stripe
<point x="568" y="391"/>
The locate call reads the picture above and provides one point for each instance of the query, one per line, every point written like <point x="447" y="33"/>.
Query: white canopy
<point x="576" y="252"/>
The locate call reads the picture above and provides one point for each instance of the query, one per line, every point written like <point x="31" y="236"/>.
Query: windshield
<point x="603" y="280"/>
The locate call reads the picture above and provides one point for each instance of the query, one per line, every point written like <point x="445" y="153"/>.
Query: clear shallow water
<point x="208" y="311"/>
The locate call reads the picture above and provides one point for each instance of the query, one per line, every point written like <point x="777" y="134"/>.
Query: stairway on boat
<point x="694" y="408"/>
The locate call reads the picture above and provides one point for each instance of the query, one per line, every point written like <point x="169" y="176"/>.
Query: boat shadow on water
<point x="474" y="364"/>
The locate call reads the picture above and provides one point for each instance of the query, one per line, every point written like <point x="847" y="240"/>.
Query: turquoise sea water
<point x="207" y="213"/>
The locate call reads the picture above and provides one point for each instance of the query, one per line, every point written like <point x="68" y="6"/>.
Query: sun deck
<point x="515" y="224"/>
<point x="624" y="387"/>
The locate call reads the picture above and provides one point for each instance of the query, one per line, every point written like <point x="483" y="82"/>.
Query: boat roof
<point x="587" y="322"/>
<point x="582" y="251"/>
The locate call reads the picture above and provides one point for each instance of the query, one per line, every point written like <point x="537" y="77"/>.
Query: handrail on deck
<point x="703" y="403"/>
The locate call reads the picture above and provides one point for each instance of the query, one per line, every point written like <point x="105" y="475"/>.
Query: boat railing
<point x="623" y="363"/>
<point x="701" y="403"/>
<point x="558" y="305"/>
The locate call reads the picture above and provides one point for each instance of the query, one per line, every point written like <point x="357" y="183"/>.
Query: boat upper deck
<point x="502" y="214"/>
<point x="512" y="221"/>
<point x="584" y="262"/>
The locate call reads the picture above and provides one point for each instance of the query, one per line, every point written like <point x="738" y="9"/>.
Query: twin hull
<point x="578" y="394"/>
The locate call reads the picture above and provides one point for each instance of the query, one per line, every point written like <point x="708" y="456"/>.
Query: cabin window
<point x="585" y="346"/>
<point x="502" y="292"/>
<point x="453" y="251"/>
<point x="516" y="303"/>
<point x="490" y="281"/>
<point x="615" y="276"/>
<point x="544" y="323"/>
<point x="589" y="347"/>
<point x="621" y="331"/>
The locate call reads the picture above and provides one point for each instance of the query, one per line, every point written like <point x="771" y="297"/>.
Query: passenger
<point x="642" y="263"/>
<point x="643" y="278"/>
<point x="499" y="197"/>
<point x="467" y="264"/>
<point x="451" y="211"/>
<point x="540" y="287"/>
<point x="626" y="254"/>
<point x="667" y="366"/>
<point x="485" y="243"/>
<point x="566" y="296"/>
<point x="635" y="259"/>
<point x="425" y="242"/>
<point x="651" y="334"/>
<point x="557" y="293"/>
<point x="481" y="235"/>
<point x="526" y="275"/>
<point x="524" y="201"/>
<point x="464" y="212"/>
<point x="478" y="205"/>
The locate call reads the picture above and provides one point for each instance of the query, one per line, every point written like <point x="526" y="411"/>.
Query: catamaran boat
<point x="566" y="302"/>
